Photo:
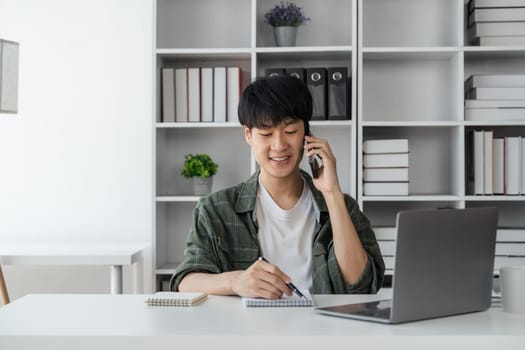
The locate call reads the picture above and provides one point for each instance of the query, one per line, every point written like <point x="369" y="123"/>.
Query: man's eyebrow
<point x="291" y="121"/>
<point x="287" y="121"/>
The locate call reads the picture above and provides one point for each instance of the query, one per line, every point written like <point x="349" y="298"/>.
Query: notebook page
<point x="285" y="301"/>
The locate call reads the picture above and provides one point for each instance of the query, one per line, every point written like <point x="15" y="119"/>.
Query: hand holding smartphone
<point x="316" y="164"/>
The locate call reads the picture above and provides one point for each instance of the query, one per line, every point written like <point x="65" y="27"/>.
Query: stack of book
<point x="385" y="167"/>
<point x="198" y="94"/>
<point x="498" y="164"/>
<point x="496" y="22"/>
<point x="495" y="97"/>
<point x="330" y="89"/>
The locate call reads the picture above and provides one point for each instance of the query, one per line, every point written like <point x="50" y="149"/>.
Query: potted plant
<point x="200" y="168"/>
<point x="285" y="18"/>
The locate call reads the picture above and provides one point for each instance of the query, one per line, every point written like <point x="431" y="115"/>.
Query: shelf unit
<point x="407" y="59"/>
<point x="413" y="58"/>
<point x="207" y="33"/>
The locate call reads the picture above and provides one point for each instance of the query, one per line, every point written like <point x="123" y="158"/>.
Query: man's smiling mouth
<point x="279" y="159"/>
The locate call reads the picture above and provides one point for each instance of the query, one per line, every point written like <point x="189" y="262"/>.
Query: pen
<point x="290" y="285"/>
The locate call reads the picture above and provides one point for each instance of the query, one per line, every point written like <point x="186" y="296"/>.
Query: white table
<point x="125" y="322"/>
<point x="114" y="254"/>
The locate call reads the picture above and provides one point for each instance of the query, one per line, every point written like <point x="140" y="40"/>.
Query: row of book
<point x="495" y="97"/>
<point x="200" y="94"/>
<point x="496" y="22"/>
<point x="385" y="167"/>
<point x="498" y="164"/>
<point x="330" y="89"/>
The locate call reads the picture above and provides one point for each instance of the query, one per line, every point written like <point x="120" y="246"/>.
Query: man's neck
<point x="284" y="191"/>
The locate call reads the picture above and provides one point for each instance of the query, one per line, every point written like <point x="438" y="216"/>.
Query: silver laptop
<point x="443" y="266"/>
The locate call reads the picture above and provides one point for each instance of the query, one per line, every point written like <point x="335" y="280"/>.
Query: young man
<point x="307" y="230"/>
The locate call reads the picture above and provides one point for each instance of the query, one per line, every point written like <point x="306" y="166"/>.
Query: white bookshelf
<point x="408" y="60"/>
<point x="413" y="58"/>
<point x="207" y="33"/>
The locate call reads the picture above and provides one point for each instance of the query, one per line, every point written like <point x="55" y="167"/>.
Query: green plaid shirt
<point x="223" y="238"/>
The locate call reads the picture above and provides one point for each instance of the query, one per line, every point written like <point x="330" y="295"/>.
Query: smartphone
<point x="316" y="164"/>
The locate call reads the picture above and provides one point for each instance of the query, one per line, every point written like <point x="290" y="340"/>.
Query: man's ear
<point x="248" y="135"/>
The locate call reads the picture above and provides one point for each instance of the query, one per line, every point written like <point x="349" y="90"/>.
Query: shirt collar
<point x="248" y="195"/>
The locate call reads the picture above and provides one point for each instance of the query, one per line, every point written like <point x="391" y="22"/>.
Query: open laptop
<point x="443" y="266"/>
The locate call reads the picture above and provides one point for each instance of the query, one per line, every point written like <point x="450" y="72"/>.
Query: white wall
<point x="75" y="162"/>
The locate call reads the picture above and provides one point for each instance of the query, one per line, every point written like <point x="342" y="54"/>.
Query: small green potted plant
<point x="285" y="18"/>
<point x="200" y="168"/>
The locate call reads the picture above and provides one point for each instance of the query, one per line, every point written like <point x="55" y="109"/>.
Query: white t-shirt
<point x="286" y="236"/>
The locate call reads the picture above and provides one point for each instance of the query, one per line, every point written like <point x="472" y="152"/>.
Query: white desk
<point x="125" y="322"/>
<point x="114" y="254"/>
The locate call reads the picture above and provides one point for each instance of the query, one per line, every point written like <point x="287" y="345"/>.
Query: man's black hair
<point x="270" y="101"/>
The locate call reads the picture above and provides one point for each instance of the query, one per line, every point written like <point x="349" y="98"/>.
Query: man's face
<point x="279" y="149"/>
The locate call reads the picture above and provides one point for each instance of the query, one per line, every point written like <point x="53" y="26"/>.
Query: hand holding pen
<point x="290" y="285"/>
<point x="261" y="280"/>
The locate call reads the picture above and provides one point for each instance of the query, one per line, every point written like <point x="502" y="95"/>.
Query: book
<point x="207" y="94"/>
<point x="233" y="92"/>
<point x="474" y="4"/>
<point x="523" y="165"/>
<point x="510" y="249"/>
<point x="176" y="298"/>
<point x="385" y="233"/>
<point x="316" y="82"/>
<point x="181" y="95"/>
<point x="487" y="162"/>
<point x="500" y="40"/>
<point x="510" y="235"/>
<point x="338" y="94"/>
<point x="386" y="146"/>
<point x="285" y="301"/>
<point x="389" y="262"/>
<point x="498" y="159"/>
<point x="274" y="72"/>
<point x="168" y="95"/>
<point x="194" y="94"/>
<point x="385" y="174"/>
<point x="500" y="261"/>
<point x="495" y="93"/>
<point x="385" y="188"/>
<point x="499" y="114"/>
<point x="219" y="94"/>
<point x="392" y="160"/>
<point x="497" y="29"/>
<point x="495" y="104"/>
<point x="478" y="162"/>
<point x="387" y="248"/>
<point x="298" y="73"/>
<point x="495" y="80"/>
<point x="504" y="14"/>
<point x="513" y="165"/>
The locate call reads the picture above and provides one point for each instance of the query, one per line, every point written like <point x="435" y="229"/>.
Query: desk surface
<point x="127" y="321"/>
<point x="71" y="253"/>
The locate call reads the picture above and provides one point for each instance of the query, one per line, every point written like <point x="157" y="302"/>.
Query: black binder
<point x="338" y="94"/>
<point x="274" y="72"/>
<point x="296" y="73"/>
<point x="316" y="82"/>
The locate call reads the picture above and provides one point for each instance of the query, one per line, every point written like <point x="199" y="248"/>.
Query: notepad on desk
<point x="285" y="301"/>
<point x="175" y="299"/>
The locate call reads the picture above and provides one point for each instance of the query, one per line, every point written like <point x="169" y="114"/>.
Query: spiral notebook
<point x="175" y="299"/>
<point x="285" y="301"/>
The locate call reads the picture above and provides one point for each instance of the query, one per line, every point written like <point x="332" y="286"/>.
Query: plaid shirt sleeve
<point x="327" y="275"/>
<point x="221" y="239"/>
<point x="200" y="247"/>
